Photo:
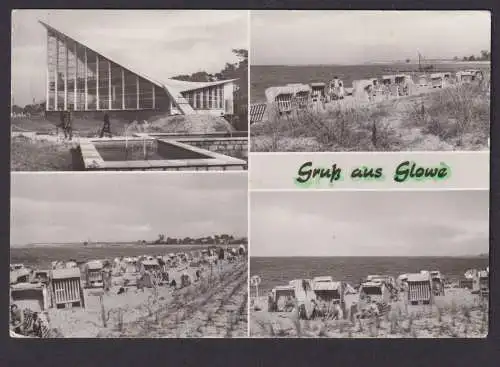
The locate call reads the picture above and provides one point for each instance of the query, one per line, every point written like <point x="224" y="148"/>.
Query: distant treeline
<point x="31" y="109"/>
<point x="209" y="240"/>
<point x="484" y="56"/>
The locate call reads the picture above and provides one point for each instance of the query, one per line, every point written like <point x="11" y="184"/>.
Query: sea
<point x="265" y="76"/>
<point x="41" y="256"/>
<point x="275" y="271"/>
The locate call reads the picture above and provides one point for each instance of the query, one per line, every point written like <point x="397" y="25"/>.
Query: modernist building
<point x="82" y="78"/>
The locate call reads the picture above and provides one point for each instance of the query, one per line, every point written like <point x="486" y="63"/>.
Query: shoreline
<point x="118" y="244"/>
<point x="415" y="62"/>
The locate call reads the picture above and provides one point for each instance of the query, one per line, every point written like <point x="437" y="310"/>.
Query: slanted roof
<point x="174" y="87"/>
<point x="153" y="262"/>
<point x="111" y="55"/>
<point x="300" y="282"/>
<point x="284" y="288"/>
<point x="184" y="86"/>
<point x="41" y="271"/>
<point x="65" y="273"/>
<point x="299" y="87"/>
<point x="418" y="277"/>
<point x="326" y="286"/>
<point x="15" y="274"/>
<point x="326" y="278"/>
<point x="26" y="286"/>
<point x="95" y="265"/>
<point x="272" y="92"/>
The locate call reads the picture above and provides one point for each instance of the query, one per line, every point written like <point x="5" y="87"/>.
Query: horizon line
<point x="388" y="62"/>
<point x="110" y="241"/>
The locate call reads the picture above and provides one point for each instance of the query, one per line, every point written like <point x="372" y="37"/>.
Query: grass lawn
<point x="27" y="155"/>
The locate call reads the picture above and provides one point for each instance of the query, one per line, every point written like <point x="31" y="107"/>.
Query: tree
<point x="237" y="70"/>
<point x="407" y="61"/>
<point x="485" y="55"/>
<point x="455" y="58"/>
<point x="472" y="58"/>
<point x="161" y="239"/>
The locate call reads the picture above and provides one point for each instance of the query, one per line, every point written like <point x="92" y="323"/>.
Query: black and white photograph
<point x="335" y="81"/>
<point x="115" y="90"/>
<point x="127" y="255"/>
<point x="369" y="264"/>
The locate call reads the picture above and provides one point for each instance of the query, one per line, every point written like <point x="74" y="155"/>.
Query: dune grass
<point x="190" y="311"/>
<point x="444" y="321"/>
<point x="457" y="116"/>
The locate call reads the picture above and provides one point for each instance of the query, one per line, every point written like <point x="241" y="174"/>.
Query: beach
<point x="214" y="306"/>
<point x="458" y="314"/>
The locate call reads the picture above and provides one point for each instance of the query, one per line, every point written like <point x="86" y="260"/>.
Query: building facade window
<point x="81" y="79"/>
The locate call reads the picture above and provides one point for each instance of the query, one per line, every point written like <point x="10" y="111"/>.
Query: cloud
<point x="351" y="37"/>
<point x="369" y="223"/>
<point x="126" y="206"/>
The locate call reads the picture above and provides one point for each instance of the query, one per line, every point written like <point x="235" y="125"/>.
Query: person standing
<point x="62" y="123"/>
<point x="221" y="259"/>
<point x="106" y="128"/>
<point x="68" y="131"/>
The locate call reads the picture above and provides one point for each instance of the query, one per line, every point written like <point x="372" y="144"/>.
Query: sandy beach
<point x="458" y="314"/>
<point x="215" y="306"/>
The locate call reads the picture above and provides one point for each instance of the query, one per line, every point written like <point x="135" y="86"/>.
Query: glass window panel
<point x="145" y="94"/>
<point x="103" y="84"/>
<point x="91" y="80"/>
<point x="116" y="87"/>
<point x="130" y="91"/>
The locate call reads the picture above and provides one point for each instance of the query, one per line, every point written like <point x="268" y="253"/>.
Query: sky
<point x="356" y="37"/>
<point x="165" y="42"/>
<point x="369" y="223"/>
<point x="76" y="207"/>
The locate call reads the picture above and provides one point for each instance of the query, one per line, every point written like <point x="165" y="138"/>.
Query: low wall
<point x="120" y="143"/>
<point x="181" y="157"/>
<point x="234" y="134"/>
<point x="233" y="147"/>
<point x="126" y="115"/>
<point x="191" y="168"/>
<point x="172" y="151"/>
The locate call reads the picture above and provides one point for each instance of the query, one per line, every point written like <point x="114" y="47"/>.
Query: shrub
<point x="452" y="113"/>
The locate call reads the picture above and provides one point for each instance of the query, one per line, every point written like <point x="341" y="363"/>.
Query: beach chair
<point x="66" y="288"/>
<point x="257" y="112"/>
<point x="420" y="289"/>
